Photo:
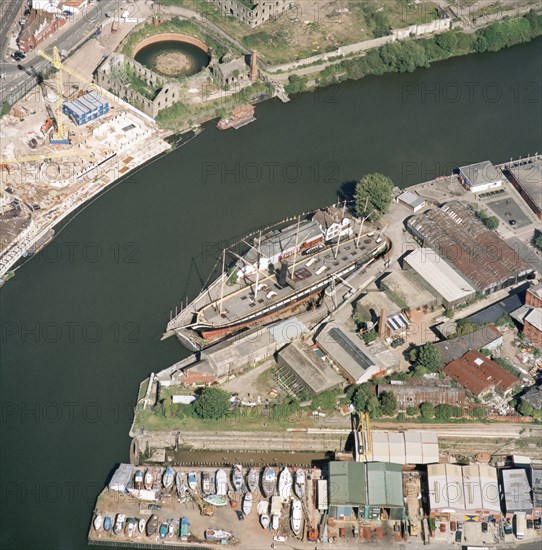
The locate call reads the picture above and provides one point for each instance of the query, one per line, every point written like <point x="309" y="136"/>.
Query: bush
<point x="213" y="403"/>
<point x="426" y="357"/>
<point x="326" y="400"/>
<point x="370" y="336"/>
<point x="412" y="411"/>
<point x="388" y="403"/>
<point x="427" y="410"/>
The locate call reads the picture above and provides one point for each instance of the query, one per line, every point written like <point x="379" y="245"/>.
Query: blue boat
<point x="163" y="530"/>
<point x="107" y="523"/>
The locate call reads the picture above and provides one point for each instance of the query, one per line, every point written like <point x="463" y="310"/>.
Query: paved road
<point x="8" y="13"/>
<point x="77" y="30"/>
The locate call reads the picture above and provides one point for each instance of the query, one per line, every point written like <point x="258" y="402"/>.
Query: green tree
<point x="296" y="84"/>
<point x="388" y="403"/>
<point x="445" y="411"/>
<point x="370" y="336"/>
<point x="479" y="413"/>
<point x="427" y="410"/>
<point x="465" y="326"/>
<point x="427" y="357"/>
<point x="361" y="396"/>
<point x="373" y="193"/>
<point x="326" y="400"/>
<point x="447" y="41"/>
<point x="373" y="408"/>
<point x="525" y="409"/>
<point x="537" y="240"/>
<point x="412" y="411"/>
<point x="213" y="403"/>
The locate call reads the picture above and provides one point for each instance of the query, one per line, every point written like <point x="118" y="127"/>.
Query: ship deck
<point x="240" y="300"/>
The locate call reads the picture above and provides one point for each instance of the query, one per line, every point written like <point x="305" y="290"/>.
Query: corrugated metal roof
<point x="385" y="484"/>
<point x="347" y="484"/>
<point x="517" y="490"/>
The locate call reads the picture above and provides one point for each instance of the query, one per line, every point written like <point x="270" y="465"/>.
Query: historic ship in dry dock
<point x="282" y="268"/>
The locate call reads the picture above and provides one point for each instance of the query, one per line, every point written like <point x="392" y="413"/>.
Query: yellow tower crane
<point x="366" y="440"/>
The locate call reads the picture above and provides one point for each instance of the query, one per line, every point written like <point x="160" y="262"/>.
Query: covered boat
<point x="107" y="523"/>
<point x="252" y="479"/>
<point x="98" y="522"/>
<point x="296" y="517"/>
<point x="262" y="508"/>
<point x="184" y="528"/>
<point x="193" y="481"/>
<point x="215" y="500"/>
<point x="275" y="522"/>
<point x="149" y="480"/>
<point x="131" y="524"/>
<point x="221" y="482"/>
<point x="269" y="481"/>
<point x="217" y="534"/>
<point x="180" y="485"/>
<point x="247" y="504"/>
<point x="141" y="525"/>
<point x="120" y="520"/>
<point x="168" y="477"/>
<point x="285" y="484"/>
<point x="299" y="487"/>
<point x="237" y="477"/>
<point x="138" y="480"/>
<point x="206" y="482"/>
<point x="171" y="529"/>
<point x="152" y="525"/>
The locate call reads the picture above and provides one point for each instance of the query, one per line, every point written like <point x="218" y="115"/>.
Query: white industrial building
<point x="440" y="278"/>
<point x="411" y="200"/>
<point x="479" y="177"/>
<point x="410" y="447"/>
<point x="455" y="489"/>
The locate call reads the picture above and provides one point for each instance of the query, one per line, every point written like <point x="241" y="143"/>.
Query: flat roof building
<point x="348" y="353"/>
<point x="411" y="200"/>
<point x="481" y="176"/>
<point x="527" y="179"/>
<point x="410" y="292"/>
<point x="450" y="288"/>
<point x="455" y="233"/>
<point x="301" y="368"/>
<point x="515" y="490"/>
<point x="470" y="489"/>
<point x="478" y="374"/>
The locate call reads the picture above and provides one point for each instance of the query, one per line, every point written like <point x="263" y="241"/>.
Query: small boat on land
<point x="193" y="481"/>
<point x="247" y="504"/>
<point x="98" y="522"/>
<point x="275" y="520"/>
<point x="148" y="480"/>
<point x="217" y="534"/>
<point x="107" y="523"/>
<point x="152" y="525"/>
<point x="180" y="485"/>
<point x="252" y="479"/>
<point x="299" y="487"/>
<point x="285" y="484"/>
<point x="119" y="524"/>
<point x="138" y="480"/>
<point x="296" y="517"/>
<point x="221" y="482"/>
<point x="264" y="520"/>
<point x="163" y="530"/>
<point x="237" y="477"/>
<point x="130" y="527"/>
<point x="171" y="529"/>
<point x="184" y="528"/>
<point x="269" y="481"/>
<point x="262" y="507"/>
<point x="141" y="525"/>
<point x="280" y="538"/>
<point x="206" y="483"/>
<point x="215" y="500"/>
<point x="168" y="477"/>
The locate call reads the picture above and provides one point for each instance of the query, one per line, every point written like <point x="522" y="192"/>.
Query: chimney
<point x="253" y="67"/>
<point x="382" y="323"/>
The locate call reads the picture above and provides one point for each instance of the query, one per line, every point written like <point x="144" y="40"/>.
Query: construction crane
<point x="5" y="164"/>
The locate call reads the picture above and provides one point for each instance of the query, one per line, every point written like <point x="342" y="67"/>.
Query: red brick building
<point x="479" y="375"/>
<point x="39" y="26"/>
<point x="530" y="315"/>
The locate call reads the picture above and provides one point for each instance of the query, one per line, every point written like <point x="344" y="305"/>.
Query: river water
<point x="81" y="322"/>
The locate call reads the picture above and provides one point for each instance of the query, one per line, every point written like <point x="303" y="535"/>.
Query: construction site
<point x="62" y="143"/>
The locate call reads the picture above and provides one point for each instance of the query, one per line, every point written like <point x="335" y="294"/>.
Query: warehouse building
<point x="479" y="177"/>
<point x="485" y="260"/>
<point x="415" y="392"/>
<point x="86" y="108"/>
<point x="527" y="179"/>
<point x="479" y="375"/>
<point x="349" y="354"/>
<point x="448" y="286"/>
<point x="365" y="491"/>
<point x="454" y="491"/>
<point x="411" y="200"/>
<point x="410" y="447"/>
<point x="515" y="490"/>
<point x="301" y="368"/>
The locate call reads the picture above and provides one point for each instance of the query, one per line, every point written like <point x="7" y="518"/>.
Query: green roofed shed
<point x="385" y="484"/>
<point x="347" y="484"/>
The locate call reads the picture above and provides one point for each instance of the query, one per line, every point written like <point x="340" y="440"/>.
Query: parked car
<point x="397" y="342"/>
<point x="484" y="527"/>
<point x="442" y="527"/>
<point x="458" y="536"/>
<point x="67" y="13"/>
<point x="507" y="529"/>
<point x="18" y="55"/>
<point x="453" y="526"/>
<point x="512" y="222"/>
<point x="538" y="523"/>
<point x="530" y="524"/>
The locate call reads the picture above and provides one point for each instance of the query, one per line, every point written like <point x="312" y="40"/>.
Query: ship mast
<point x="257" y="268"/>
<point x="340" y="232"/>
<point x="296" y="243"/>
<point x="223" y="281"/>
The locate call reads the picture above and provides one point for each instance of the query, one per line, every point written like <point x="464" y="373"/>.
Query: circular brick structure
<point x="170" y="37"/>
